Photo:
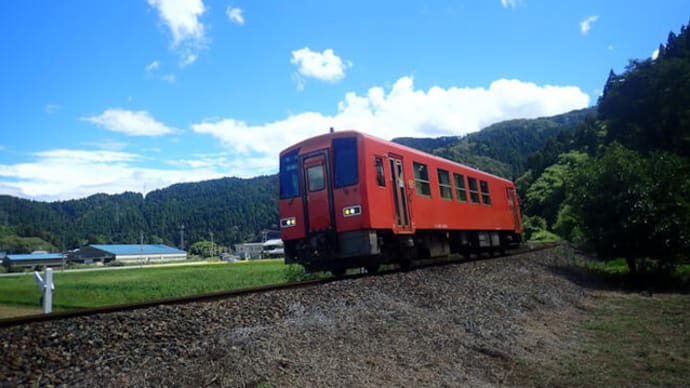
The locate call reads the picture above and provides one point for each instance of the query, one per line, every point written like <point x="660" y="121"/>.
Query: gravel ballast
<point x="467" y="324"/>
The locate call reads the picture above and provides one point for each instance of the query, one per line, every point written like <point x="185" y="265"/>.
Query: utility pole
<point x="182" y="237"/>
<point x="213" y="251"/>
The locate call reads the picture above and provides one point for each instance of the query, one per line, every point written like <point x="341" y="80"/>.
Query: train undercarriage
<point x="336" y="252"/>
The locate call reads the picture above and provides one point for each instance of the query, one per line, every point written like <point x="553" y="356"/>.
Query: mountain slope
<point x="233" y="209"/>
<point x="501" y="148"/>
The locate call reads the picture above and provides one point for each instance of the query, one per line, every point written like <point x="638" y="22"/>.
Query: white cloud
<point x="655" y="54"/>
<point x="586" y="24"/>
<point x="188" y="59"/>
<point x="132" y="123"/>
<point x="299" y="81"/>
<point x="66" y="174"/>
<point x="169" y="78"/>
<point x="107" y="144"/>
<point x="52" y="108"/>
<point x="325" y="66"/>
<point x="511" y="3"/>
<point x="182" y="17"/>
<point x="234" y="15"/>
<point x="403" y="111"/>
<point x="104" y="156"/>
<point x="152" y="66"/>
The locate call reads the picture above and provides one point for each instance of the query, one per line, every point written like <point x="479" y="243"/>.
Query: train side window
<point x="380" y="176"/>
<point x="474" y="192"/>
<point x="444" y="184"/>
<point x="315" y="178"/>
<point x="460" y="191"/>
<point x="421" y="179"/>
<point x="484" y="187"/>
<point x="345" y="161"/>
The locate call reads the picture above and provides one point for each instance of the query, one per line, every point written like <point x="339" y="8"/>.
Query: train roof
<point x="349" y="133"/>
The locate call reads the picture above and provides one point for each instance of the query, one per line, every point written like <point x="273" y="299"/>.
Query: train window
<point x="421" y="179"/>
<point x="345" y="161"/>
<point x="380" y="176"/>
<point x="474" y="192"/>
<point x="289" y="175"/>
<point x="315" y="178"/>
<point x="484" y="187"/>
<point x="444" y="184"/>
<point x="460" y="191"/>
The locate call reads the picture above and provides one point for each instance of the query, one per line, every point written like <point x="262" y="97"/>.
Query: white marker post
<point x="47" y="287"/>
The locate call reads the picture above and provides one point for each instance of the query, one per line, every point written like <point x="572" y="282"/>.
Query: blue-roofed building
<point x="129" y="253"/>
<point x="34" y="259"/>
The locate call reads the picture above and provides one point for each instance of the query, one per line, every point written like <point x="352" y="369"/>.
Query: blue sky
<point x="113" y="96"/>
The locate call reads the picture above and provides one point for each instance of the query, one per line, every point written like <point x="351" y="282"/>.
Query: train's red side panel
<point x="434" y="212"/>
<point x="344" y="190"/>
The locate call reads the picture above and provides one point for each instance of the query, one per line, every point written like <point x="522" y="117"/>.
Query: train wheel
<point x="338" y="273"/>
<point x="405" y="265"/>
<point x="372" y="268"/>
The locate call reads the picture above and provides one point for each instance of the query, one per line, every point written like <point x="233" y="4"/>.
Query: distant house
<point x="249" y="251"/>
<point x="128" y="253"/>
<point x="34" y="259"/>
<point x="252" y="251"/>
<point x="273" y="248"/>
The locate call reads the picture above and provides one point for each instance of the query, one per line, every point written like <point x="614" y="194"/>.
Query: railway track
<point x="217" y="295"/>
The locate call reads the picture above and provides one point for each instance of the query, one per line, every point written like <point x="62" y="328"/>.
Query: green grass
<point x="627" y="338"/>
<point x="616" y="273"/>
<point x="109" y="287"/>
<point x="542" y="236"/>
<point x="632" y="340"/>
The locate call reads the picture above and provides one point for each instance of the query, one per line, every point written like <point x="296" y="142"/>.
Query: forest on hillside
<point x="227" y="210"/>
<point x="620" y="183"/>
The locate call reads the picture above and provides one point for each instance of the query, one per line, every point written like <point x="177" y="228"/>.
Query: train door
<point x="512" y="201"/>
<point x="317" y="196"/>
<point x="402" y="210"/>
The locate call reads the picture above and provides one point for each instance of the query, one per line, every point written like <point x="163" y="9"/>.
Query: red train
<point x="349" y="200"/>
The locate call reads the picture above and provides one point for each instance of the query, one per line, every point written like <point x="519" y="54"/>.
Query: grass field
<point x="632" y="340"/>
<point x="108" y="287"/>
<point x="630" y="337"/>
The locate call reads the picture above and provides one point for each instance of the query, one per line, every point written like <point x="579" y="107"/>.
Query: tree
<point x="545" y="196"/>
<point x="16" y="244"/>
<point x="648" y="106"/>
<point x="202" y="248"/>
<point x="633" y="207"/>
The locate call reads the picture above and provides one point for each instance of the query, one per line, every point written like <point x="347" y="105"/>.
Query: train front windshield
<point x="289" y="175"/>
<point x="345" y="158"/>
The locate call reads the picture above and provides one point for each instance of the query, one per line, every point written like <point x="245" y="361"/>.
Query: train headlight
<point x="288" y="222"/>
<point x="352" y="211"/>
